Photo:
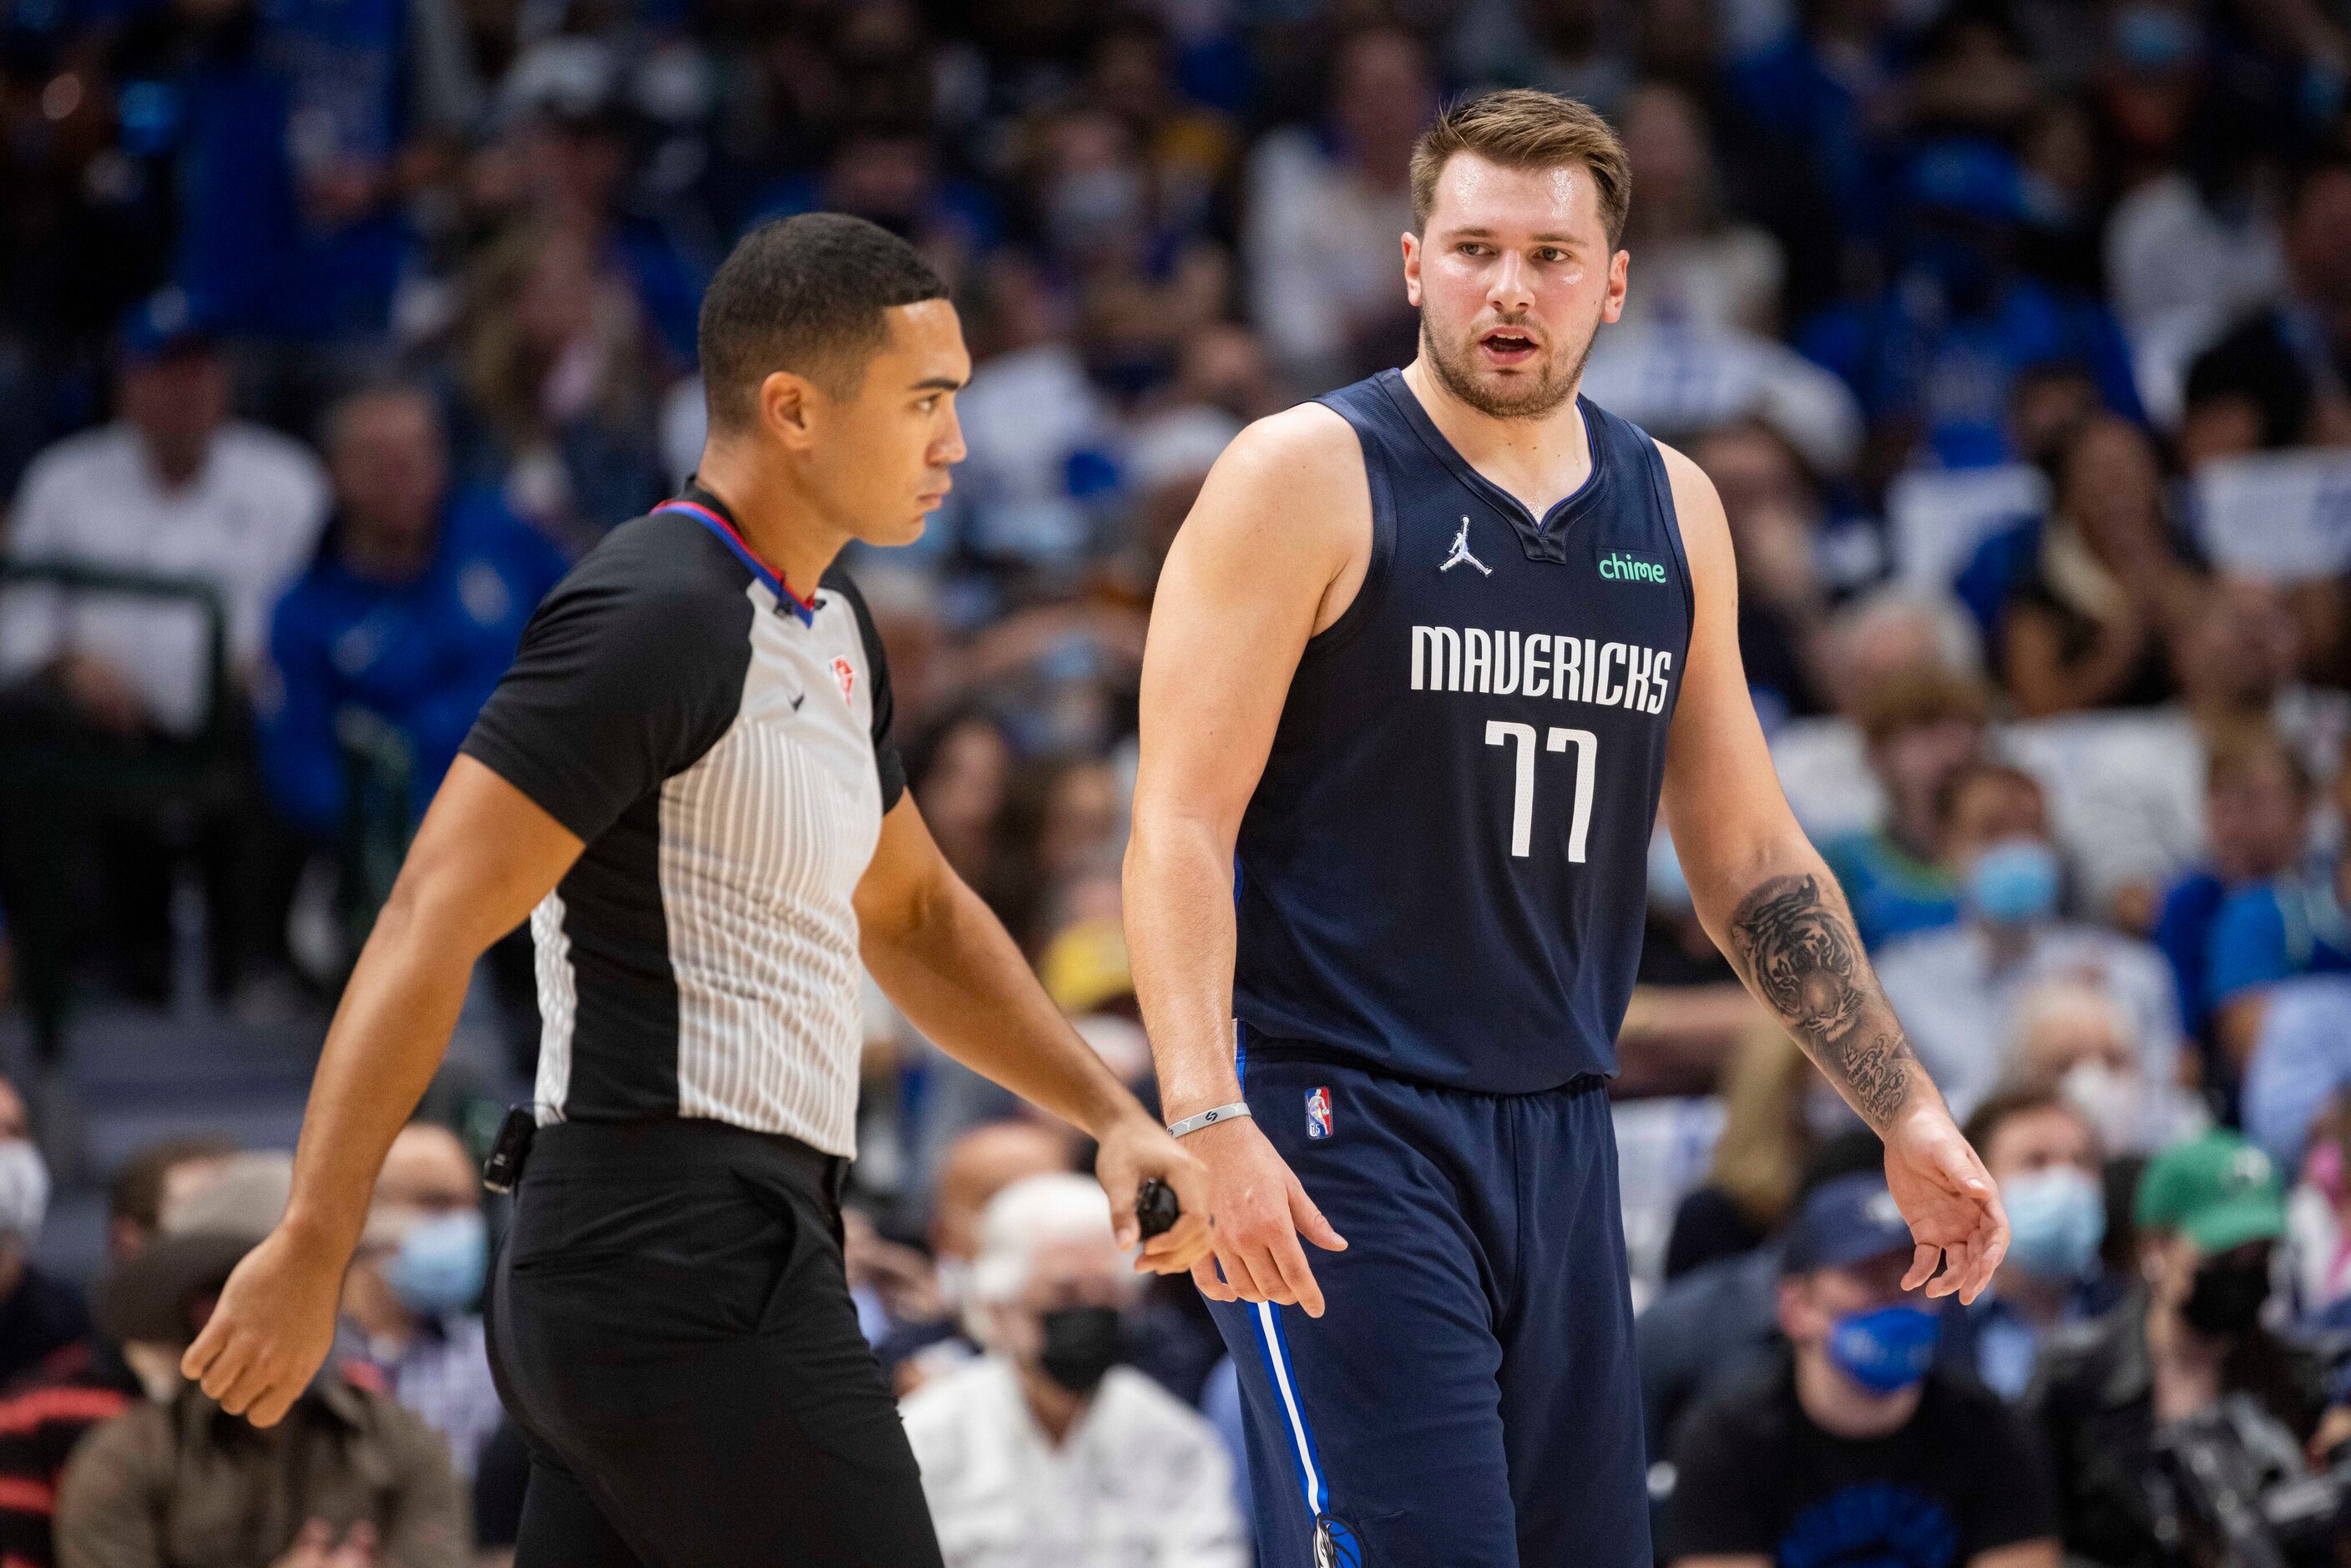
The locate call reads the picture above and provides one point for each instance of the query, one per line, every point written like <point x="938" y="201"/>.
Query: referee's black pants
<point x="671" y="1327"/>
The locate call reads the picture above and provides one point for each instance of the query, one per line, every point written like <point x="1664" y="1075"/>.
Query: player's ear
<point x="1619" y="267"/>
<point x="787" y="401"/>
<point x="1412" y="270"/>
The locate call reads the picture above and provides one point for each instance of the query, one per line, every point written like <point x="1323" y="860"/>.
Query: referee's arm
<point x="484" y="857"/>
<point x="941" y="955"/>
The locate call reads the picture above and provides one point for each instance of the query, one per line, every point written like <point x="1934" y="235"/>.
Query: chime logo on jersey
<point x="1318" y="1111"/>
<point x="846" y="674"/>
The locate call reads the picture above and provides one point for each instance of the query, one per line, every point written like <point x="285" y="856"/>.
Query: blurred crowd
<point x="2016" y="335"/>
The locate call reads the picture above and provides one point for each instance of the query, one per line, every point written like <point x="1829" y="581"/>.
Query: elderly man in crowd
<point x="1044" y="1449"/>
<point x="349" y="1480"/>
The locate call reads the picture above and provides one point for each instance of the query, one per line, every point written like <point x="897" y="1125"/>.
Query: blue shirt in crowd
<point x="324" y="82"/>
<point x="1909" y="354"/>
<point x="1893" y="893"/>
<point x="2183" y="930"/>
<point x="2274" y="930"/>
<point x="421" y="655"/>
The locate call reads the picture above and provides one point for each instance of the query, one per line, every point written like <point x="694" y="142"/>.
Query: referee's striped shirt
<point x="723" y="748"/>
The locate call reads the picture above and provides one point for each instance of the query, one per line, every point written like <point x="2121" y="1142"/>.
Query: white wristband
<point x="1209" y="1118"/>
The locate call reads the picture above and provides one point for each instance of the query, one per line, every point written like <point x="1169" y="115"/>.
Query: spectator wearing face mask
<point x="2257" y="798"/>
<point x="2210" y="1212"/>
<point x="38" y="1312"/>
<point x="1851" y="1446"/>
<point x="46" y="1411"/>
<point x="1956" y="990"/>
<point x="2073" y="1038"/>
<point x="2294" y="924"/>
<point x="978" y="1164"/>
<point x="2043" y="1154"/>
<point x="411" y="1297"/>
<point x="1923" y="727"/>
<point x="1044" y="1449"/>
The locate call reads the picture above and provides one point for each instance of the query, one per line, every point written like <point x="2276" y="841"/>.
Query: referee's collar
<point x="705" y="506"/>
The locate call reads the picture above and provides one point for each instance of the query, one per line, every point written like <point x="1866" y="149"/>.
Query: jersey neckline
<point x="1541" y="538"/>
<point x="704" y="506"/>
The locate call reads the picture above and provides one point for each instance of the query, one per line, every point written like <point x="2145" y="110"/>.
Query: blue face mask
<point x="2013" y="882"/>
<point x="1887" y="1350"/>
<point x="440" y="1264"/>
<point x="2056" y="1217"/>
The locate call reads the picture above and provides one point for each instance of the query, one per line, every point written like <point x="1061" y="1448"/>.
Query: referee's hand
<point x="1135" y="1152"/>
<point x="270" y="1331"/>
<point x="1261" y="1211"/>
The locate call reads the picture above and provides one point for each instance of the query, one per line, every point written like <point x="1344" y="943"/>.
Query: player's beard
<point x="1455" y="366"/>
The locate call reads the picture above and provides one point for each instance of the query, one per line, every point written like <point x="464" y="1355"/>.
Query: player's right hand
<point x="270" y="1331"/>
<point x="1261" y="1211"/>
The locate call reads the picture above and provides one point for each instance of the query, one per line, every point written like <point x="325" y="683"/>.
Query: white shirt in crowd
<point x="1320" y="247"/>
<point x="1139" y="1481"/>
<point x="1959" y="1006"/>
<point x="246" y="523"/>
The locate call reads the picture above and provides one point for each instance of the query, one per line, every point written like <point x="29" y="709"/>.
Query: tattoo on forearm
<point x="1803" y="958"/>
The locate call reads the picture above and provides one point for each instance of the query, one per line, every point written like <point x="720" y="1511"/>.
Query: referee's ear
<point x="786" y="405"/>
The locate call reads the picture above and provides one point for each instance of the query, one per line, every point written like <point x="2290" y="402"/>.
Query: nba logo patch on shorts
<point x="1317" y="1113"/>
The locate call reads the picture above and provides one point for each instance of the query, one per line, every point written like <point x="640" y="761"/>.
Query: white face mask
<point x="23" y="1190"/>
<point x="2114" y="1103"/>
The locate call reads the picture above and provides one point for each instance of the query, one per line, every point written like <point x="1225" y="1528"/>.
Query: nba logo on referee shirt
<point x="846" y="674"/>
<point x="1317" y="1113"/>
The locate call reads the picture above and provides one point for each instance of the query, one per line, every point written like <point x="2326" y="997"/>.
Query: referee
<point x="687" y="783"/>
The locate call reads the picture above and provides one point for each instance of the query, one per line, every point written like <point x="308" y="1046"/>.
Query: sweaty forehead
<point x="1476" y="192"/>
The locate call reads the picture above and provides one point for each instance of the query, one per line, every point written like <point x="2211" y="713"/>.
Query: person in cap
<point x="174" y="487"/>
<point x="45" y="1411"/>
<point x="349" y="1478"/>
<point x="1852" y="1446"/>
<point x="2209" y="1213"/>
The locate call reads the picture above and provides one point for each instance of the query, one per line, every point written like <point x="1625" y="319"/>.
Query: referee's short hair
<point x="807" y="295"/>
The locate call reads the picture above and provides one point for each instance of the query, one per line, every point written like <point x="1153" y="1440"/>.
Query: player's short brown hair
<point x="1522" y="127"/>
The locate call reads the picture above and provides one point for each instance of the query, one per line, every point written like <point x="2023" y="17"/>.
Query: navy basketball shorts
<point x="1470" y="1397"/>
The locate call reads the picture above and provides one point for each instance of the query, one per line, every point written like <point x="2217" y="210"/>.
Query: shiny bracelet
<point x="1209" y="1118"/>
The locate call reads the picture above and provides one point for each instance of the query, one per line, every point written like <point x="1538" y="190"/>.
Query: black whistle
<point x="1155" y="1208"/>
<point x="511" y="1150"/>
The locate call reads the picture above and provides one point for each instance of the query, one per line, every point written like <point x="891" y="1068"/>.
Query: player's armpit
<point x="2042" y="1553"/>
<point x="1741" y="1561"/>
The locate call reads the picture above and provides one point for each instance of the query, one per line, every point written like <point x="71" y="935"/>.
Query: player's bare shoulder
<point x="1705" y="533"/>
<point x="1289" y="506"/>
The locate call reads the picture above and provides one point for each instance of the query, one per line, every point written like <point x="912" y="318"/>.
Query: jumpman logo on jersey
<point x="1461" y="553"/>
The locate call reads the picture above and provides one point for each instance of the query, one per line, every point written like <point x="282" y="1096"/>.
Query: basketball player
<point x="1424" y="658"/>
<point x="687" y="783"/>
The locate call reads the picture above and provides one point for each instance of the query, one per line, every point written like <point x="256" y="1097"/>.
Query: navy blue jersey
<point x="1443" y="871"/>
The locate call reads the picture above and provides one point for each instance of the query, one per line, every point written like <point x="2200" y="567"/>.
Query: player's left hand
<point x="1950" y="1202"/>
<point x="1132" y="1152"/>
